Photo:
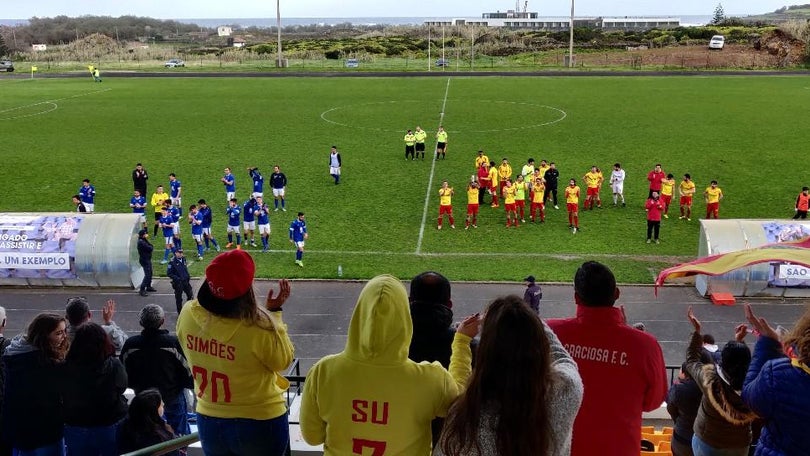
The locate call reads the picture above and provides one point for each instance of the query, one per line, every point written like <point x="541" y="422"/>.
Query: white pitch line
<point x="430" y="180"/>
<point x="53" y="101"/>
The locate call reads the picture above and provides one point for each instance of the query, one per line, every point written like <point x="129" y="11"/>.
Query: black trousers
<point x="179" y="289"/>
<point x="553" y="193"/>
<point x="653" y="227"/>
<point x="147" y="275"/>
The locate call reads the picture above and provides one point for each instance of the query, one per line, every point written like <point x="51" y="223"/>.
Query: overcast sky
<point x="181" y="9"/>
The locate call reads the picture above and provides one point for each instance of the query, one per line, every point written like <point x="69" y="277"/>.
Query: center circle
<point x="549" y="115"/>
<point x="36" y="110"/>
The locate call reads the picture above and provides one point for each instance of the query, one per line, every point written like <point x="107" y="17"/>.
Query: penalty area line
<point x="430" y="179"/>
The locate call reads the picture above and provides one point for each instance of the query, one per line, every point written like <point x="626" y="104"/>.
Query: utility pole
<point x="472" y="47"/>
<point x="571" y="39"/>
<point x="279" y="61"/>
<point x="428" y="47"/>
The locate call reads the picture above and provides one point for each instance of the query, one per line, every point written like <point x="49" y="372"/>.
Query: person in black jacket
<point x="683" y="402"/>
<point x="181" y="280"/>
<point x="432" y="316"/>
<point x="93" y="388"/>
<point x="5" y="448"/>
<point x="144" y="425"/>
<point x="139" y="178"/>
<point x="145" y="259"/>
<point x="551" y="177"/>
<point x="154" y="359"/>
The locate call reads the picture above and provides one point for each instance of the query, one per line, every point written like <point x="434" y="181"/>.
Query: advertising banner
<point x="38" y="246"/>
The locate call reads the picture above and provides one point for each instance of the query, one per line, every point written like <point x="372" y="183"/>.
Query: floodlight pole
<point x="278" y="26"/>
<point x="428" y="62"/>
<point x="443" y="41"/>
<point x="571" y="38"/>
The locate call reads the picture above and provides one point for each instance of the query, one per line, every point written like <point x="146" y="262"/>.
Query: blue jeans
<point x="700" y="448"/>
<point x="174" y="410"/>
<point x="56" y="449"/>
<point x="91" y="441"/>
<point x="243" y="437"/>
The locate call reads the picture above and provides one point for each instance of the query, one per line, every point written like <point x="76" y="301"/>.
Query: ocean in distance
<point x="288" y="21"/>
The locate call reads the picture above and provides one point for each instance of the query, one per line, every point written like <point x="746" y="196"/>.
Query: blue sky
<point x="178" y="9"/>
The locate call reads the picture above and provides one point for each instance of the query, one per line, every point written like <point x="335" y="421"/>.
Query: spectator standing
<point x="655" y="178"/>
<point x="334" y="164"/>
<point x="777" y="386"/>
<point x="515" y="411"/>
<point x="154" y="359"/>
<point x="533" y="294"/>
<point x="364" y="397"/>
<point x="139" y="178"/>
<point x="723" y="423"/>
<point x="77" y="312"/>
<point x="144" y="425"/>
<point x="241" y="407"/>
<point x="605" y="347"/>
<point x="32" y="407"/>
<point x="278" y="181"/>
<point x="87" y="193"/>
<point x="145" y="249"/>
<point x="552" y="175"/>
<point x="802" y="204"/>
<point x="5" y="447"/>
<point x="654" y="208"/>
<point x="93" y="393"/>
<point x="683" y="401"/>
<point x="177" y="271"/>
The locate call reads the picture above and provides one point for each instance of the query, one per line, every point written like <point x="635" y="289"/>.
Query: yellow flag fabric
<point x="33" y="68"/>
<point x="795" y="252"/>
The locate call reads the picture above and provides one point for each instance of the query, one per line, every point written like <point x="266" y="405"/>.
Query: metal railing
<point x="167" y="446"/>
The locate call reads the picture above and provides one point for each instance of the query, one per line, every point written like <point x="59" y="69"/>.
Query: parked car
<point x="6" y="65"/>
<point x="174" y="63"/>
<point x="717" y="42"/>
<point x="442" y="63"/>
<point x="352" y="63"/>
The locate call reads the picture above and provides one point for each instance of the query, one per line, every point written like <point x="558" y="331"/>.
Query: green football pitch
<point x="746" y="132"/>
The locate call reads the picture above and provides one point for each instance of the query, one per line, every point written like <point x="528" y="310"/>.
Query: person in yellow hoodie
<point x="158" y="198"/>
<point x="370" y="398"/>
<point x="236" y="350"/>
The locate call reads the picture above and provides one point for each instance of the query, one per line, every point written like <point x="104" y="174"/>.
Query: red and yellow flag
<point x="795" y="252"/>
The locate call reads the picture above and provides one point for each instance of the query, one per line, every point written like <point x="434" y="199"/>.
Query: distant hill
<point x="783" y="14"/>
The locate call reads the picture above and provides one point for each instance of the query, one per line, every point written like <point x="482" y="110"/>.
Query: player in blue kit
<point x="195" y="219"/>
<point x="138" y="205"/>
<point x="234" y="218"/>
<point x="249" y="221"/>
<point x="262" y="213"/>
<point x="176" y="192"/>
<point x="207" y="221"/>
<point x="229" y="181"/>
<point x="87" y="193"/>
<point x="298" y="234"/>
<point x="166" y="223"/>
<point x="278" y="181"/>
<point x="258" y="182"/>
<point x="175" y="213"/>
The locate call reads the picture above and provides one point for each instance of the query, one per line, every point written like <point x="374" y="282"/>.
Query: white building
<point x="532" y="21"/>
<point x="224" y="30"/>
<point x="39" y="47"/>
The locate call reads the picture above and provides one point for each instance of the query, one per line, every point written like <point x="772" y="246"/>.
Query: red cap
<point x="230" y="274"/>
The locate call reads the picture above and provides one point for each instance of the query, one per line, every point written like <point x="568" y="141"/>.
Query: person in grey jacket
<point x="723" y="423"/>
<point x="77" y="312"/>
<point x="524" y="392"/>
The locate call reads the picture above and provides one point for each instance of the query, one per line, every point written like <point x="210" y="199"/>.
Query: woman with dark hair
<point x="524" y="392"/>
<point x="777" y="386"/>
<point x="144" y="425"/>
<point x="93" y="393"/>
<point x="237" y="350"/>
<point x="723" y="423"/>
<point x="32" y="411"/>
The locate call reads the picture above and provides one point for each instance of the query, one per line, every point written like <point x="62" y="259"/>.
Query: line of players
<point x="540" y="184"/>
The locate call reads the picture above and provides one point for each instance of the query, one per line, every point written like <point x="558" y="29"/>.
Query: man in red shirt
<point x="802" y="204"/>
<point x="656" y="176"/>
<point x="654" y="207"/>
<point x="483" y="181"/>
<point x="622" y="368"/>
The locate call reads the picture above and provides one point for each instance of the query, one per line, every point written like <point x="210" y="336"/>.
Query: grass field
<point x="746" y="132"/>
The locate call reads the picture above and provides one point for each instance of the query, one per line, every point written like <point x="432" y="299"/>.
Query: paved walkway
<point x="318" y="312"/>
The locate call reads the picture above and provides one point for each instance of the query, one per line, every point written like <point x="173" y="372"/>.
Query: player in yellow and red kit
<point x="446" y="204"/>
<point x="538" y="195"/>
<point x="472" y="205"/>
<point x="572" y="204"/>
